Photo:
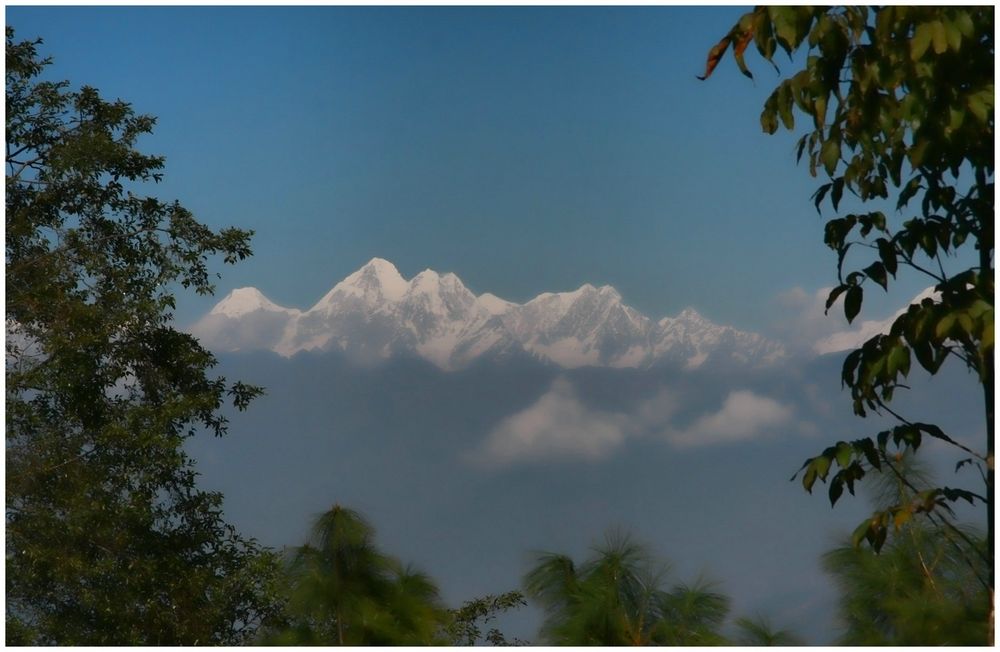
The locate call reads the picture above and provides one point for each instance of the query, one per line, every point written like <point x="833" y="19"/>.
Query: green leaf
<point x="899" y="360"/>
<point x="786" y="27"/>
<point x="852" y="303"/>
<point x="954" y="35"/>
<point x="908" y="434"/>
<point x="739" y="46"/>
<point x="850" y="364"/>
<point x="809" y="478"/>
<point x="844" y="454"/>
<point x="963" y="21"/>
<point x="908" y="191"/>
<point x="822" y="465"/>
<point x="832" y="297"/>
<point x="965" y="324"/>
<point x="768" y="117"/>
<point x="852" y="473"/>
<point x="836" y="489"/>
<point x="921" y="40"/>
<point x="836" y="230"/>
<point x="929" y="243"/>
<point x="939" y="37"/>
<point x="861" y="532"/>
<point x="819" y="112"/>
<point x="820" y="194"/>
<point x="837" y="192"/>
<point x="830" y="155"/>
<point x="925" y="356"/>
<point x="944" y="325"/>
<point x="784" y="105"/>
<point x="883" y="439"/>
<point x="887" y="253"/>
<point x="978" y="308"/>
<point x="878" y="538"/>
<point x="955" y="495"/>
<point x="934" y="431"/>
<point x="876" y="272"/>
<point x="980" y="105"/>
<point x="867" y="448"/>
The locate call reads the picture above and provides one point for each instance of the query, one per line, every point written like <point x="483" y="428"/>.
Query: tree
<point x="901" y="105"/>
<point x="758" y="631"/>
<point x="693" y="615"/>
<point x="109" y="540"/>
<point x="342" y="590"/>
<point x="923" y="588"/>
<point x="616" y="598"/>
<point x="466" y="622"/>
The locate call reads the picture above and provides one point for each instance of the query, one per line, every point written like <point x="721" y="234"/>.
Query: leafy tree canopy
<point x="899" y="106"/>
<point x="109" y="540"/>
<point x="924" y="588"/>
<point x="759" y="632"/>
<point x="617" y="597"/>
<point x="342" y="590"/>
<point x="466" y="623"/>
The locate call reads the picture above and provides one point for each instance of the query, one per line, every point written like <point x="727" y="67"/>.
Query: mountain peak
<point x="608" y="290"/>
<point x="426" y="277"/>
<point x="242" y="301"/>
<point x="690" y="314"/>
<point x="378" y="279"/>
<point x="381" y="264"/>
<point x="430" y="282"/>
<point x="375" y="313"/>
<point x="494" y="304"/>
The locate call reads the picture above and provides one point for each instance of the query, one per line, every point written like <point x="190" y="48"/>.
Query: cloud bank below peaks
<point x="805" y="327"/>
<point x="743" y="416"/>
<point x="560" y="426"/>
<point x="853" y="338"/>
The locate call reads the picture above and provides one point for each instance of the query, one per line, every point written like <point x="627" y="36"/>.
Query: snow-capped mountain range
<point x="375" y="313"/>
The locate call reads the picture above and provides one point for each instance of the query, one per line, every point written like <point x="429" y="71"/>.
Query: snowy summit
<point x="375" y="313"/>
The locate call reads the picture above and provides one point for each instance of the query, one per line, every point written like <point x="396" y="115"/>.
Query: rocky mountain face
<point x="375" y="313"/>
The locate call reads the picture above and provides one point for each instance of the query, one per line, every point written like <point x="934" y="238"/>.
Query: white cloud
<point x="557" y="425"/>
<point x="804" y="326"/>
<point x="743" y="415"/>
<point x="855" y="337"/>
<point x="801" y="319"/>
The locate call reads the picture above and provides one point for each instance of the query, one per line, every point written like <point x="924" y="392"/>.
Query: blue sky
<point x="525" y="149"/>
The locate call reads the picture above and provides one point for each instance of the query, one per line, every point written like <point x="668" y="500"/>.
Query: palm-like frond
<point x="759" y="631"/>
<point x="615" y="597"/>
<point x="344" y="590"/>
<point x="924" y="587"/>
<point x="552" y="581"/>
<point x="692" y="614"/>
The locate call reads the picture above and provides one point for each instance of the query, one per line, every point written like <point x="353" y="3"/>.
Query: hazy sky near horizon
<point x="526" y="149"/>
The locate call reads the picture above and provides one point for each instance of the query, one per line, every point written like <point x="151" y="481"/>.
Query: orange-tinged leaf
<point x="715" y="55"/>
